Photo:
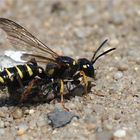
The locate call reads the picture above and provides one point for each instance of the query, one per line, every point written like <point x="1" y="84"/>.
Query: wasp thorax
<point x="67" y="62"/>
<point x="86" y="66"/>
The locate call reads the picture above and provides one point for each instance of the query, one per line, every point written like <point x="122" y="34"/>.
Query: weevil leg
<point x="28" y="90"/>
<point x="62" y="95"/>
<point x="84" y="79"/>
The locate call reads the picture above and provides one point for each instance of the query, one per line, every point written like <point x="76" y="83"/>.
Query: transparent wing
<point x="21" y="39"/>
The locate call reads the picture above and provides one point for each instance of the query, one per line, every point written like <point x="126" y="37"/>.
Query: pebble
<point x="1" y="124"/>
<point x="7" y="124"/>
<point x="60" y="118"/>
<point x="82" y="32"/>
<point x="17" y="113"/>
<point x="117" y="116"/>
<point x="24" y="137"/>
<point x="98" y="108"/>
<point x="105" y="135"/>
<point x="138" y="61"/>
<point x="42" y="121"/>
<point x="122" y="67"/>
<point x="2" y="114"/>
<point x="118" y="19"/>
<point x="32" y="124"/>
<point x="21" y="129"/>
<point x="119" y="133"/>
<point x="31" y="111"/>
<point x="2" y="131"/>
<point x="90" y="118"/>
<point x="118" y="75"/>
<point x="90" y="9"/>
<point x="68" y="51"/>
<point x="114" y="42"/>
<point x="108" y="126"/>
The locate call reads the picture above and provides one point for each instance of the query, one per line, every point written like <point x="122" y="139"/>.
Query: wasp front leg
<point x="84" y="80"/>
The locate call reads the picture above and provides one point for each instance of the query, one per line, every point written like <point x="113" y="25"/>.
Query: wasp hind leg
<point x="84" y="80"/>
<point x="62" y="95"/>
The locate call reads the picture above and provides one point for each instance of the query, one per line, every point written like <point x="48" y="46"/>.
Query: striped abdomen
<point x="24" y="72"/>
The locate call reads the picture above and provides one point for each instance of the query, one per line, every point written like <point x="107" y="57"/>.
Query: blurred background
<point x="76" y="28"/>
<point x="69" y="25"/>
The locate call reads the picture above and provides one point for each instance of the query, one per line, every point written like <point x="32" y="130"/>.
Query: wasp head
<point x="87" y="65"/>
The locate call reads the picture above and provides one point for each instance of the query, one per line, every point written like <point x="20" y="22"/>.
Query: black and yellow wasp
<point x="57" y="68"/>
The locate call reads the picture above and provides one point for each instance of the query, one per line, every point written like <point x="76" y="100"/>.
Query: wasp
<point x="58" y="67"/>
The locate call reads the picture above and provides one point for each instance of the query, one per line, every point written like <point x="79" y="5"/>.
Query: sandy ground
<point x="76" y="28"/>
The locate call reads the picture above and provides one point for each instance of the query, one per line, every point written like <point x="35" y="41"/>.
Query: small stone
<point x="82" y="32"/>
<point x="1" y="124"/>
<point x="118" y="75"/>
<point x="117" y="116"/>
<point x="138" y="61"/>
<point x="2" y="131"/>
<point x="21" y="129"/>
<point x="68" y="51"/>
<point x="7" y="124"/>
<point x="118" y="19"/>
<point x="108" y="127"/>
<point x="32" y="124"/>
<point x="90" y="9"/>
<point x="105" y="135"/>
<point x="114" y="42"/>
<point x="20" y="132"/>
<point x="120" y="133"/>
<point x="104" y="117"/>
<point x="17" y="113"/>
<point x="24" y="137"/>
<point x="60" y="118"/>
<point x="2" y="114"/>
<point x="122" y="67"/>
<point x="31" y="111"/>
<point x="42" y="121"/>
<point x="98" y="108"/>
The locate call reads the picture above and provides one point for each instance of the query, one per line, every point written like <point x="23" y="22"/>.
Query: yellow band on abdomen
<point x="19" y="72"/>
<point x="1" y="80"/>
<point x="29" y="70"/>
<point x="9" y="74"/>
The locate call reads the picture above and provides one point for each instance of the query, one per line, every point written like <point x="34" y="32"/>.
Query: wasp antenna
<point x="98" y="49"/>
<point x="103" y="54"/>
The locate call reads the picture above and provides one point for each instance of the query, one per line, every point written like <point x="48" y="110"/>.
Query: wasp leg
<point x="28" y="90"/>
<point x="62" y="95"/>
<point x="84" y="80"/>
